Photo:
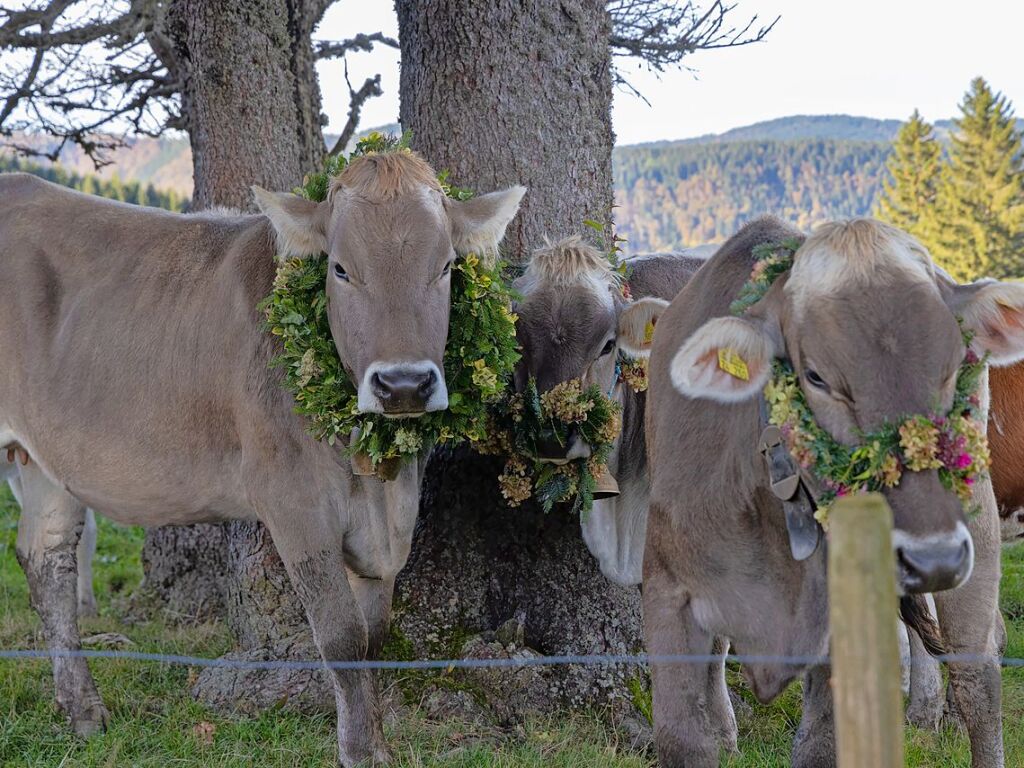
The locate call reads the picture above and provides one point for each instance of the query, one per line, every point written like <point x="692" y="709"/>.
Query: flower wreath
<point x="479" y="355"/>
<point x="520" y="420"/>
<point x="954" y="444"/>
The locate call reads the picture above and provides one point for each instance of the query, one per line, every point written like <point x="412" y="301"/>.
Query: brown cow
<point x="573" y="323"/>
<point x="1006" y="440"/>
<point x="871" y="330"/>
<point x="135" y="372"/>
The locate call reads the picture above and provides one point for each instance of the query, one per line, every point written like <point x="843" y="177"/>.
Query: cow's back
<point x="131" y="354"/>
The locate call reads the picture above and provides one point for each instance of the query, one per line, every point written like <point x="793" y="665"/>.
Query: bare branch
<point x="85" y="73"/>
<point x="334" y="49"/>
<point x="663" y="32"/>
<point x="126" y="26"/>
<point x="369" y="89"/>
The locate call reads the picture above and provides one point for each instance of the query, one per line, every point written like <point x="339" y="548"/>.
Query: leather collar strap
<point x="787" y="484"/>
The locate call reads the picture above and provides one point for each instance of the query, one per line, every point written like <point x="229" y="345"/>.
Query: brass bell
<point x="605" y="485"/>
<point x="388" y="469"/>
<point x="362" y="465"/>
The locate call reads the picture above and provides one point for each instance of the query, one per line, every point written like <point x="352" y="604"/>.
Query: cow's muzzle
<point x="934" y="563"/>
<point x="549" y="448"/>
<point x="403" y="390"/>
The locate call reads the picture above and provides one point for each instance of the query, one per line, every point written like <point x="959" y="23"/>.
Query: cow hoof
<point x="361" y="757"/>
<point x="925" y="714"/>
<point x="90" y="721"/>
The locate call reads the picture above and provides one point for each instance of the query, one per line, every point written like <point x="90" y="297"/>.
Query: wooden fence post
<point x="863" y="622"/>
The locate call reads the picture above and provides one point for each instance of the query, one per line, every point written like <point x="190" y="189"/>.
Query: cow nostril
<point x="427" y="384"/>
<point x="380" y="389"/>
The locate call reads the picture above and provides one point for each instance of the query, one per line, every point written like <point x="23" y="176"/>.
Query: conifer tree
<point x="977" y="226"/>
<point x="914" y="169"/>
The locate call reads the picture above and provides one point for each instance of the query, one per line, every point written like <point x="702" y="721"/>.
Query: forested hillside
<point x="114" y="188"/>
<point x="687" y="193"/>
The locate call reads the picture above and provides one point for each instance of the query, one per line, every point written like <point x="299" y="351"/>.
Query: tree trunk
<point x="252" y="109"/>
<point x="504" y="92"/>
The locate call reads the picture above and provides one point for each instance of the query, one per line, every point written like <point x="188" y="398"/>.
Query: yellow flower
<point x="919" y="438"/>
<point x="407" y="440"/>
<point x="514" y="484"/>
<point x="308" y="367"/>
<point x="567" y="402"/>
<point x="890" y="471"/>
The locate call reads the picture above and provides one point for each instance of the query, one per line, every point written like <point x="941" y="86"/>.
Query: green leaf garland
<point x="479" y="355"/>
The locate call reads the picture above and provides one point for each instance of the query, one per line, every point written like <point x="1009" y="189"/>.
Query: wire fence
<point x="641" y="659"/>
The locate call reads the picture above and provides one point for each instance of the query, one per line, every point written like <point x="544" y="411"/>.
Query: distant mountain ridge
<point x="670" y="194"/>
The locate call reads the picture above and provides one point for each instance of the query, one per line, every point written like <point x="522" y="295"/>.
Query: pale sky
<point x="873" y="58"/>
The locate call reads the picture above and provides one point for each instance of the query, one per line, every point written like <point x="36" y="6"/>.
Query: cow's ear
<point x="994" y="313"/>
<point x="636" y="325"/>
<point x="727" y="360"/>
<point x="478" y="224"/>
<point x="300" y="224"/>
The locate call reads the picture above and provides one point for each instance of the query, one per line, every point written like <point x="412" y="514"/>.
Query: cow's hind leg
<point x="316" y="565"/>
<point x="48" y="532"/>
<point x="86" y="552"/>
<point x="686" y="707"/>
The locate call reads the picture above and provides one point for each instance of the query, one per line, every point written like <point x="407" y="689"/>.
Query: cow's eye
<point x="608" y="348"/>
<point x="815" y="380"/>
<point x="447" y="269"/>
<point x="339" y="272"/>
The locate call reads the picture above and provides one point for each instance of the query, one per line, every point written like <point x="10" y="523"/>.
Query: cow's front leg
<point x="968" y="617"/>
<point x="686" y="696"/>
<point x="927" y="694"/>
<point x="316" y="566"/>
<point x="815" y="742"/>
<point x="48" y="532"/>
<point x="374" y="597"/>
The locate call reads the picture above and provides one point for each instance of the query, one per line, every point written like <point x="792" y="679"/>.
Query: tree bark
<point x="252" y="109"/>
<point x="504" y="92"/>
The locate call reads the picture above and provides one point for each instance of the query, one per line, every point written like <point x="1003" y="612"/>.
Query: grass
<point x="156" y="724"/>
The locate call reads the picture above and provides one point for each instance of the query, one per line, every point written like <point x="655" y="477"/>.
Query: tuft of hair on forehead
<point x="384" y="176"/>
<point x="857" y="251"/>
<point x="569" y="261"/>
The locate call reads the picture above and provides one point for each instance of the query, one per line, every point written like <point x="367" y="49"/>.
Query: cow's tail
<point x="917" y="615"/>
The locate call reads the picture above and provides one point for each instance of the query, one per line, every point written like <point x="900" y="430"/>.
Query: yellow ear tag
<point x="733" y="364"/>
<point x="648" y="332"/>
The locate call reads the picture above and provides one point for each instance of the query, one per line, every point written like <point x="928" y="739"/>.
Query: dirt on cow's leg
<point x="48" y="531"/>
<point x="316" y="566"/>
<point x="684" y="731"/>
<point x="927" y="693"/>
<point x="815" y="742"/>
<point x="969" y="620"/>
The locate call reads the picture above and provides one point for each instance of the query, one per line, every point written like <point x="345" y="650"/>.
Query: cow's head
<point x="870" y="327"/>
<point x="572" y="323"/>
<point x="390" y="235"/>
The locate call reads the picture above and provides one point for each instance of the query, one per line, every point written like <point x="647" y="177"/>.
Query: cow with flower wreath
<point x="142" y="380"/>
<point x="585" y="323"/>
<point x="786" y="373"/>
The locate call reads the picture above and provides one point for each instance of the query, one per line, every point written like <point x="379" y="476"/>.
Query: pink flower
<point x="968" y="480"/>
<point x="970" y="358"/>
<point x="963" y="461"/>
